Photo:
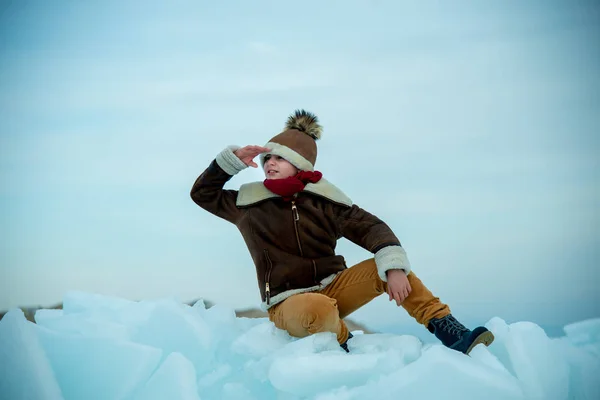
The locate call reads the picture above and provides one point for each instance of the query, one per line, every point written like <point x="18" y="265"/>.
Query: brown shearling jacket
<point x="292" y="243"/>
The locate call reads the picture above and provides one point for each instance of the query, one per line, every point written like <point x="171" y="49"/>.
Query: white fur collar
<point x="251" y="193"/>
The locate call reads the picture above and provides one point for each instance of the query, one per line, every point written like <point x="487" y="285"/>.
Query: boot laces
<point x="452" y="326"/>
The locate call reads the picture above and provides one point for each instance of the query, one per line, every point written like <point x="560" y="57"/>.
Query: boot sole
<point x="485" y="338"/>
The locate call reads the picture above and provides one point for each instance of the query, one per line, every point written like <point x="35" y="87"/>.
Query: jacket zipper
<point x="296" y="219"/>
<point x="315" y="272"/>
<point x="268" y="277"/>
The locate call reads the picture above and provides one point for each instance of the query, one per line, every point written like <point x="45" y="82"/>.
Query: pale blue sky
<point x="471" y="127"/>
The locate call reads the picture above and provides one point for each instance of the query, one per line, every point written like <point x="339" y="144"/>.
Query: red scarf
<point x="288" y="187"/>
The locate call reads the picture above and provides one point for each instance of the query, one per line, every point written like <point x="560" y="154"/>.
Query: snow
<point x="101" y="347"/>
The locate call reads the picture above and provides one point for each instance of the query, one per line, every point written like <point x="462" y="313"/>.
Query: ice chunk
<point x="76" y="302"/>
<point x="236" y="391"/>
<point x="408" y="348"/>
<point x="174" y="327"/>
<point x="98" y="368"/>
<point x="43" y="315"/>
<point x="81" y="324"/>
<point x="220" y="317"/>
<point x="317" y="343"/>
<point x="225" y="382"/>
<point x="308" y="374"/>
<point x="222" y="322"/>
<point x="584" y="332"/>
<point x="483" y="355"/>
<point x="210" y="385"/>
<point x="531" y="353"/>
<point x="584" y="370"/>
<point x="245" y="323"/>
<point x="174" y="380"/>
<point x="103" y="347"/>
<point x="107" y="309"/>
<point x="25" y="372"/>
<point x="261" y="340"/>
<point x="199" y="305"/>
<point x="500" y="330"/>
<point x="438" y="373"/>
<point x="215" y="376"/>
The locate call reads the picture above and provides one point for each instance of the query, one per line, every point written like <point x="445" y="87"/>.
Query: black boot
<point x="454" y="335"/>
<point x="345" y="344"/>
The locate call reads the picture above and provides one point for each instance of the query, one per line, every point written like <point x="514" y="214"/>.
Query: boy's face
<point x="276" y="167"/>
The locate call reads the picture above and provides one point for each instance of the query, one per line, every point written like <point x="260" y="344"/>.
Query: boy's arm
<point x="369" y="232"/>
<point x="208" y="190"/>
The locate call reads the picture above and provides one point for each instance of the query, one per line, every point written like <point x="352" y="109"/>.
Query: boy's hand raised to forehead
<point x="398" y="285"/>
<point x="246" y="154"/>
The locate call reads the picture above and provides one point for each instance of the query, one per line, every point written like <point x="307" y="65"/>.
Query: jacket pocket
<point x="314" y="265"/>
<point x="268" y="276"/>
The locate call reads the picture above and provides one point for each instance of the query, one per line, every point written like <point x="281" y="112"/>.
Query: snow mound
<point x="101" y="347"/>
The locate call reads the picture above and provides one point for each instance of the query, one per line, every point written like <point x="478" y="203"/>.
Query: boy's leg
<point x="358" y="285"/>
<point x="307" y="313"/>
<point x="421" y="304"/>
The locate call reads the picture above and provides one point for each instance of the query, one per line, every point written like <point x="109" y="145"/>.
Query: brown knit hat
<point x="297" y="143"/>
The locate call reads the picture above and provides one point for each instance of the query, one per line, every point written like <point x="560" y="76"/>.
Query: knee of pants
<point x="317" y="311"/>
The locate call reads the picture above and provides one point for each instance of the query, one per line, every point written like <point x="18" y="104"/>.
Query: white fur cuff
<point x="391" y="257"/>
<point x="229" y="161"/>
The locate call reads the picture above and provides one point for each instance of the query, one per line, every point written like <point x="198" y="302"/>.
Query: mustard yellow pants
<point x="307" y="313"/>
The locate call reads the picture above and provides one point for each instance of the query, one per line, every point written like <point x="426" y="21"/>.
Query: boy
<point x="291" y="222"/>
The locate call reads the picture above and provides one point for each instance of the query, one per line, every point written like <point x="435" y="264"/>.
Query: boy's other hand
<point x="246" y="154"/>
<point x="398" y="286"/>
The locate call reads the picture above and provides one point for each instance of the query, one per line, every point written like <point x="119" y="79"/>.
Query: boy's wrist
<point x="387" y="273"/>
<point x="391" y="258"/>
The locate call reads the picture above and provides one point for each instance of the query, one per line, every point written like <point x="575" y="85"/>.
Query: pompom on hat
<point x="297" y="143"/>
